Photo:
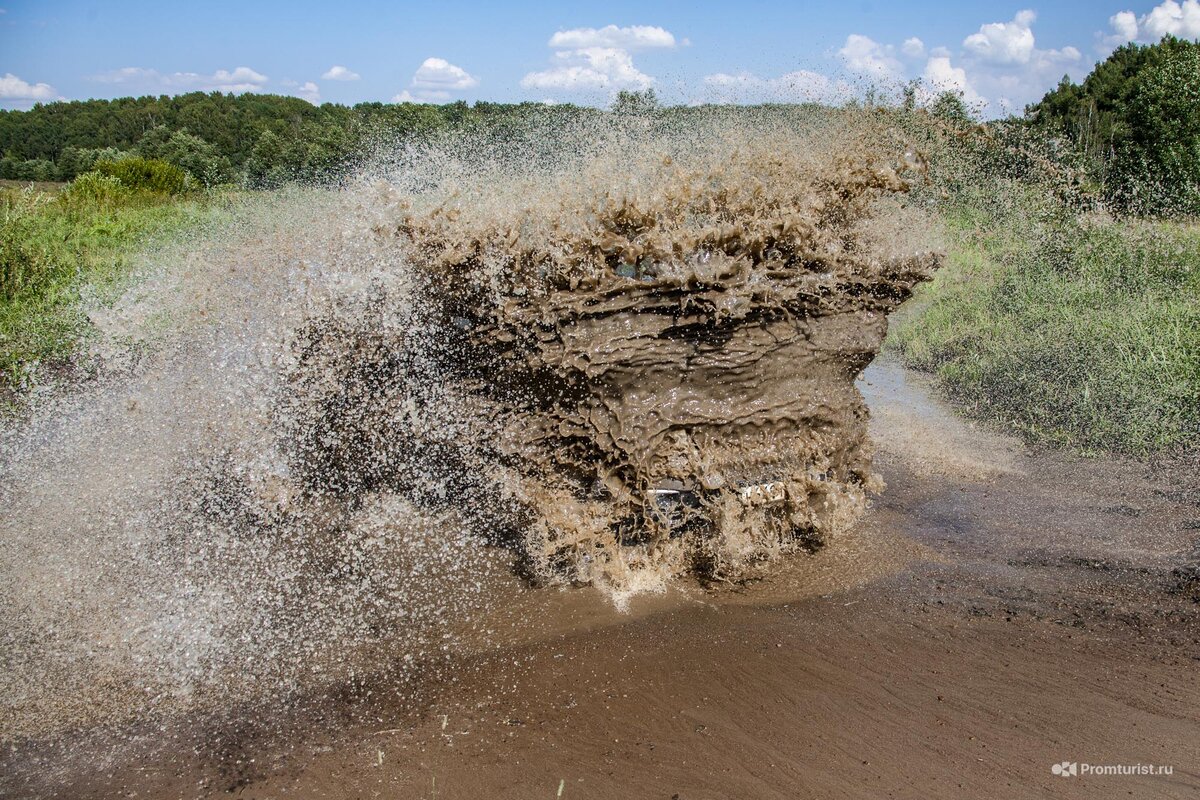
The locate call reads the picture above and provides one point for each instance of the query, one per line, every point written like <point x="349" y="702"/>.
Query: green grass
<point x="1073" y="331"/>
<point x="59" y="246"/>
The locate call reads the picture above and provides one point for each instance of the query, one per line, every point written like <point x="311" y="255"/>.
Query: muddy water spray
<point x="665" y="345"/>
<point x="619" y="356"/>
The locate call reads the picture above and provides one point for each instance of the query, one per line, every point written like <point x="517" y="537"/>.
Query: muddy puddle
<point x="496" y="476"/>
<point x="975" y="627"/>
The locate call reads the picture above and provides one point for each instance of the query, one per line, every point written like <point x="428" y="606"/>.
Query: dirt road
<point x="995" y="614"/>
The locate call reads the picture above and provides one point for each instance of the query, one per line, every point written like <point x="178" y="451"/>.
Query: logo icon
<point x="1065" y="769"/>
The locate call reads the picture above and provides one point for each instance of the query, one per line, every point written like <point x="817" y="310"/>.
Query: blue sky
<point x="1001" y="55"/>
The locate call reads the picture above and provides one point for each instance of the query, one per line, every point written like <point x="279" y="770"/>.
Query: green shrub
<point x="36" y="169"/>
<point x="146" y="174"/>
<point x="20" y="257"/>
<point x="95" y="188"/>
<point x="75" y="161"/>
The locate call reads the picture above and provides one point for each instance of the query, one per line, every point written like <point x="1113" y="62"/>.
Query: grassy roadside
<point x="59" y="245"/>
<point x="1075" y="331"/>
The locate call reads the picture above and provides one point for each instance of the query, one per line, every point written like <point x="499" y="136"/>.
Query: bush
<point x="95" y="188"/>
<point x="75" y="161"/>
<point x="146" y="174"/>
<point x="20" y="258"/>
<point x="37" y="169"/>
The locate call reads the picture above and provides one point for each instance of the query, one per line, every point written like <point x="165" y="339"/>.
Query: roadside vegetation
<point x="1074" y="330"/>
<point x="1069" y="307"/>
<point x="60" y="246"/>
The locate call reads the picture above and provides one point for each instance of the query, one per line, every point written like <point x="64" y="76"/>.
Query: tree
<point x="627" y="102"/>
<point x="188" y="152"/>
<point x="265" y="166"/>
<point x="1164" y="131"/>
<point x="950" y="107"/>
<point x="1135" y="123"/>
<point x="78" y="160"/>
<point x="262" y="139"/>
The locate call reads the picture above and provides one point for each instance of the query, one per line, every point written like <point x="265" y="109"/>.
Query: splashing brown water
<point x="664" y="349"/>
<point x="620" y="362"/>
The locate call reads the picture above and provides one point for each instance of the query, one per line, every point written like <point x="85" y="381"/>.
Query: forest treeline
<point x="1131" y="129"/>
<point x="253" y="139"/>
<point x="1133" y="126"/>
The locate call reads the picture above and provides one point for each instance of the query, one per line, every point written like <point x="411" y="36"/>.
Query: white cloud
<point x="590" y="69"/>
<point x="310" y="92"/>
<point x="800" y="86"/>
<point x="434" y="81"/>
<point x="634" y="37"/>
<point x="1004" y="42"/>
<point x="440" y="74"/>
<point x="421" y="97"/>
<point x="864" y="56"/>
<point x="1124" y="25"/>
<point x="999" y="69"/>
<point x="599" y="59"/>
<point x="339" y="73"/>
<point x="1004" y="66"/>
<point x="13" y="88"/>
<point x="241" y="79"/>
<point x="1172" y="18"/>
<point x="1168" y="17"/>
<point x="240" y="74"/>
<point x="941" y="76"/>
<point x="1045" y="59"/>
<point x="1010" y="90"/>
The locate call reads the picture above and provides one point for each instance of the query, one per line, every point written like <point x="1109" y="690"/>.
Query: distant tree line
<point x="1132" y="128"/>
<point x="262" y="141"/>
<point x="255" y="139"/>
<point x="1134" y="125"/>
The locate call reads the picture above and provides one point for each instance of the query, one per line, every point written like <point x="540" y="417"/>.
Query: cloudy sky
<point x="1000" y="55"/>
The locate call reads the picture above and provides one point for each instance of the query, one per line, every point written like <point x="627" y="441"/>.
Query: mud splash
<point x="313" y="448"/>
<point x="662" y="353"/>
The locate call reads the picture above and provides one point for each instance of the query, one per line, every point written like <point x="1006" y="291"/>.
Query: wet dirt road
<point x="996" y="613"/>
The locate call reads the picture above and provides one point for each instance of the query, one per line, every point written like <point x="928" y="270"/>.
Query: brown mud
<point x="665" y="354"/>
<point x="994" y="613"/>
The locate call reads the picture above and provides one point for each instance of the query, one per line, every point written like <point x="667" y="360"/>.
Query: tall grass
<point x="1072" y="329"/>
<point x="57" y="245"/>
